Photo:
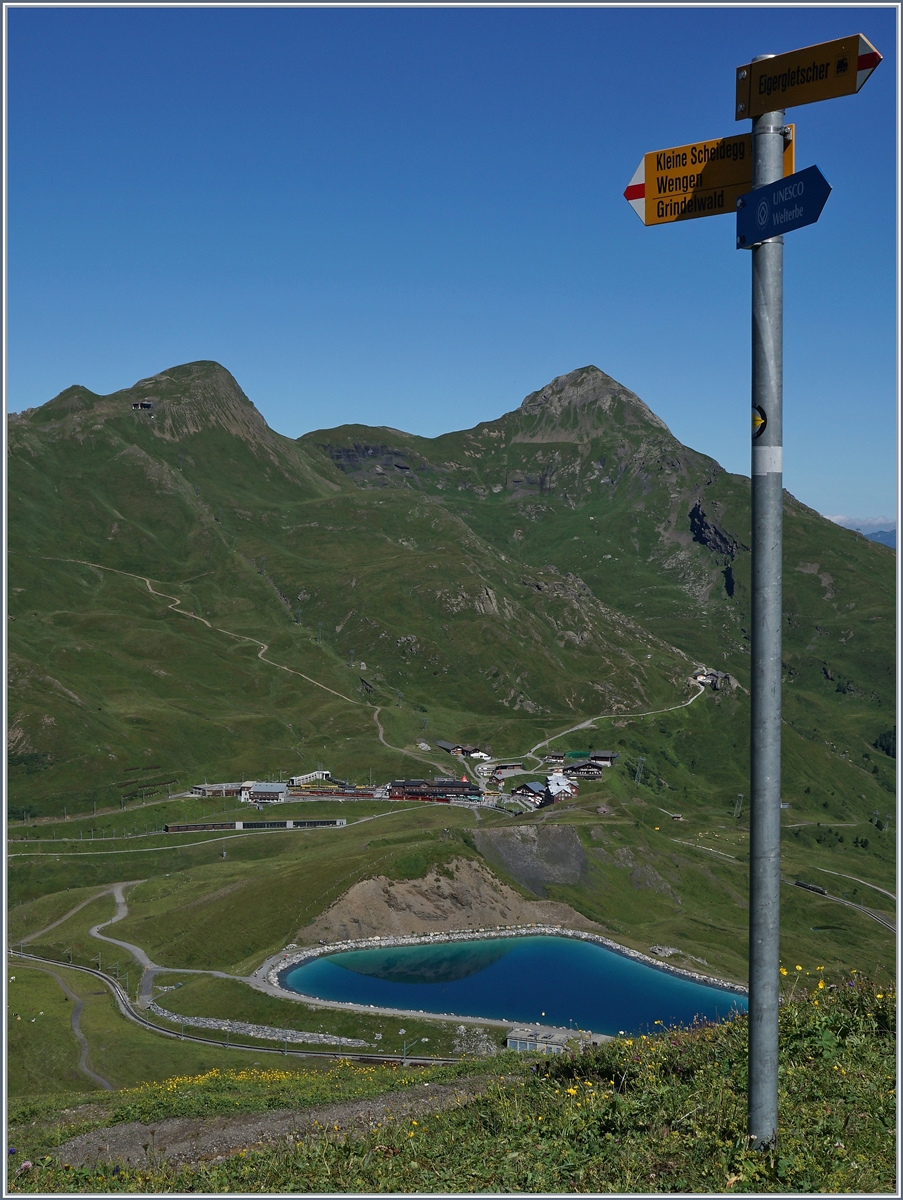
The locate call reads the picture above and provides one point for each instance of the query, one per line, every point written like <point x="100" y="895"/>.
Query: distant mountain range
<point x="887" y="537"/>
<point x="194" y="593"/>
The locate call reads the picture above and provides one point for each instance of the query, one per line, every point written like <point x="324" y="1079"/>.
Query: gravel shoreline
<point x="274" y="970"/>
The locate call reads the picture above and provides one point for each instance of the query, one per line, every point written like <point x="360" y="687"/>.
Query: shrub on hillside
<point x="887" y="742"/>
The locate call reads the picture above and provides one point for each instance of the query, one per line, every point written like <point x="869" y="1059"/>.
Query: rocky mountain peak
<point x="178" y="402"/>
<point x="590" y="395"/>
<point x="196" y="396"/>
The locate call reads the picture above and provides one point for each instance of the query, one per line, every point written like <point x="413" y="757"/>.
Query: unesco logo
<point x="762" y="214"/>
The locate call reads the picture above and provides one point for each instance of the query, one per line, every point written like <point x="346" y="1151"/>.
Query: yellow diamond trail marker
<point x="821" y="72"/>
<point x="701" y="179"/>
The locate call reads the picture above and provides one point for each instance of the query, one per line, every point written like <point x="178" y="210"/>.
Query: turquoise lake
<point x="549" y="980"/>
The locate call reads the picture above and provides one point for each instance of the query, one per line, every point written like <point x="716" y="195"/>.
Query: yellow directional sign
<point x="701" y="179"/>
<point x="821" y="72"/>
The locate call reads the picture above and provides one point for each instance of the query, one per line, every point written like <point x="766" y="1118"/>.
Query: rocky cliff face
<point x="536" y="855"/>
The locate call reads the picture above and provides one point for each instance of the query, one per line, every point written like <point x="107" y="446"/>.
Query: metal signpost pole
<point x="665" y="188"/>
<point x="767" y="513"/>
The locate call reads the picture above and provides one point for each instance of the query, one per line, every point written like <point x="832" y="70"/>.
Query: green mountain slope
<point x="583" y="476"/>
<point x="192" y="594"/>
<point x="247" y="531"/>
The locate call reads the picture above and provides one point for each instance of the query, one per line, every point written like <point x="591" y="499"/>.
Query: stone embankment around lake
<point x="269" y="1032"/>
<point x="275" y="969"/>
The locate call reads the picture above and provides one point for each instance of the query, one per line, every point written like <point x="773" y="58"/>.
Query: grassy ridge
<point x="637" y="1115"/>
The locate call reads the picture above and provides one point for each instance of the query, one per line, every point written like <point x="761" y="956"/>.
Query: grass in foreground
<point x="664" y="1113"/>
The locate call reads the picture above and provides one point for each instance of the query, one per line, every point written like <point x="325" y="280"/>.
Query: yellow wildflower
<point x="783" y="970"/>
<point x="821" y="983"/>
<point x="798" y="967"/>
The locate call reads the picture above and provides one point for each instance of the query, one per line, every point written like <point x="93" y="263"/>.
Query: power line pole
<point x="767" y="540"/>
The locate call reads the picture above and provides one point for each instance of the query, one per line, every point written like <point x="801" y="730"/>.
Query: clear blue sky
<point x="414" y="217"/>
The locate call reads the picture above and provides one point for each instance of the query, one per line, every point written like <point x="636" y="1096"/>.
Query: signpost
<point x="822" y="72"/>
<point x="767" y="386"/>
<point x="790" y="203"/>
<point x="701" y="179"/>
<point x="755" y="177"/>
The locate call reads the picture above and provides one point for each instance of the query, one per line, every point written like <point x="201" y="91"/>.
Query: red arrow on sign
<point x="822" y="72"/>
<point x="635" y="192"/>
<point x="700" y="179"/>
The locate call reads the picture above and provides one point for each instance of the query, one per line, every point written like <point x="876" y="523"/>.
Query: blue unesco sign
<point x="782" y="206"/>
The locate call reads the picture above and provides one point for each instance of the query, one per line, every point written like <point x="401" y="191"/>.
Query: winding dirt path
<point x="122" y="911"/>
<point x="591" y="723"/>
<point x="175" y="607"/>
<point x="149" y="968"/>
<point x="75" y="1021"/>
<point x="78" y="907"/>
<point x="397" y="749"/>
